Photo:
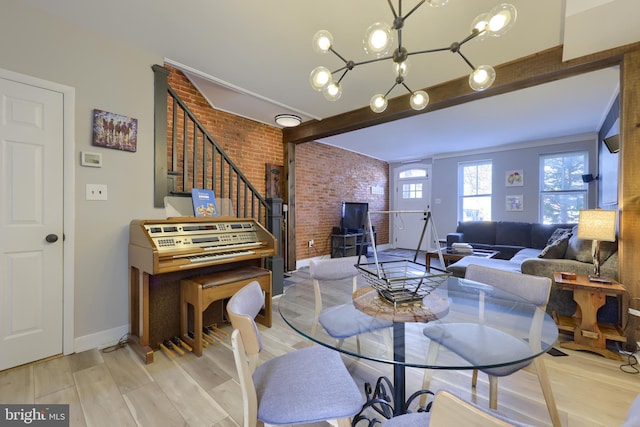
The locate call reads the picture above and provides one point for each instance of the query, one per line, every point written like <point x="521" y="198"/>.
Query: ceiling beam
<point x="539" y="68"/>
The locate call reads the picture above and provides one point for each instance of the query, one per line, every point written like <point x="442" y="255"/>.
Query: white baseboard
<point x="100" y="339"/>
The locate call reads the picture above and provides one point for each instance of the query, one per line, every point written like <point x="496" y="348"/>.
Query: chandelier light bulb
<point x="322" y="41"/>
<point x="419" y="100"/>
<point x="320" y="77"/>
<point x="378" y="39"/>
<point x="501" y="19"/>
<point x="481" y="24"/>
<point x="437" y="3"/>
<point x="333" y="91"/>
<point x="378" y="103"/>
<point x="400" y="68"/>
<point x="482" y="78"/>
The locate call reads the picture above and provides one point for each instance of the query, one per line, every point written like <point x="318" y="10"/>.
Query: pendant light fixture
<point x="379" y="40"/>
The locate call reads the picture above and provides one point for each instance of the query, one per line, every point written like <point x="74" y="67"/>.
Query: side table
<point x="588" y="333"/>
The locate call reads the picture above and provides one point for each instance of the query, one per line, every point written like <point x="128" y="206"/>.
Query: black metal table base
<point x="382" y="401"/>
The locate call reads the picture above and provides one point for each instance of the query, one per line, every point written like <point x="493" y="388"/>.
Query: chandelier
<point x="379" y="41"/>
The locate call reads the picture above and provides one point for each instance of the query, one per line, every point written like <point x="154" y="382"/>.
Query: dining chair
<point x="479" y="343"/>
<point x="303" y="386"/>
<point x="451" y="410"/>
<point x="344" y="320"/>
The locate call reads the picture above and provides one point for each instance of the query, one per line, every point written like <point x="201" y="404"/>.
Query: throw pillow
<point x="607" y="249"/>
<point x="557" y="234"/>
<point x="578" y="249"/>
<point x="557" y="249"/>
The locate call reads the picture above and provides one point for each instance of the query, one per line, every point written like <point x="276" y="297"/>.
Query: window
<point x="413" y="173"/>
<point x="474" y="191"/>
<point x="562" y="192"/>
<point x="412" y="191"/>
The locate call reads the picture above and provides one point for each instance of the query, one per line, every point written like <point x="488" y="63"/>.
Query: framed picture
<point x="514" y="203"/>
<point x="514" y="178"/>
<point x="112" y="130"/>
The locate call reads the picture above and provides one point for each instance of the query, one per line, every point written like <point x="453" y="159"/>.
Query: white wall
<point x="111" y="77"/>
<point x="525" y="158"/>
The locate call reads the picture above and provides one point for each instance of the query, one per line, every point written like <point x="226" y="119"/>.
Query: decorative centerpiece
<point x="404" y="280"/>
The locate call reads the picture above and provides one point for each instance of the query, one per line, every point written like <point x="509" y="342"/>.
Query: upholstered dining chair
<point x="450" y="410"/>
<point x="344" y="320"/>
<point x="478" y="343"/>
<point x="304" y="386"/>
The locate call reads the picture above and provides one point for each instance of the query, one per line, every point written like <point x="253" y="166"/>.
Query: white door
<point x="412" y="194"/>
<point x="31" y="223"/>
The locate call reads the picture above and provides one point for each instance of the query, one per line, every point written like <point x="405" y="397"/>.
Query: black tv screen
<point x="354" y="216"/>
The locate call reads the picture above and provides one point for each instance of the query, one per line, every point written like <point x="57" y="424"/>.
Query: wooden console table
<point x="588" y="333"/>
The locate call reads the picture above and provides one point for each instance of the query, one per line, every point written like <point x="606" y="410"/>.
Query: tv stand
<point x="350" y="244"/>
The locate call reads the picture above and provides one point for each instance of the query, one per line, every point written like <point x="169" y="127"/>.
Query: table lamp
<point x="597" y="225"/>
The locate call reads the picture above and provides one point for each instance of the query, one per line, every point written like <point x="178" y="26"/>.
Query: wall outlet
<point x="310" y="243"/>
<point x="96" y="192"/>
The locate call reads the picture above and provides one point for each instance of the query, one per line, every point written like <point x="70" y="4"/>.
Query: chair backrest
<point x="450" y="410"/>
<point x="534" y="289"/>
<point x="331" y="269"/>
<point x="334" y="268"/>
<point x="245" y="370"/>
<point x="242" y="309"/>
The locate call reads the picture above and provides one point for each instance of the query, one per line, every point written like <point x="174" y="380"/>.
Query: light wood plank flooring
<point x="116" y="388"/>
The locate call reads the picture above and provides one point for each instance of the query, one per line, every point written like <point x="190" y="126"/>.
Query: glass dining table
<point x="455" y="300"/>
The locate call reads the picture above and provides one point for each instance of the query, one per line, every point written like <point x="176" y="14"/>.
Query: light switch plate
<point x="96" y="192"/>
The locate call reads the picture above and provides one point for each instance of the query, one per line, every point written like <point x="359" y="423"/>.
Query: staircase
<point x="186" y="157"/>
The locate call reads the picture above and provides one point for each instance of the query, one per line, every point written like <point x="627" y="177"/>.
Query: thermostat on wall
<point x="93" y="160"/>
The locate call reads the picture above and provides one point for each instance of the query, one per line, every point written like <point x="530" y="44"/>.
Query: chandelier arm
<point x="393" y="10"/>
<point x="440" y="49"/>
<point x="475" y="33"/>
<point x="414" y="9"/>
<point x="369" y="61"/>
<point x="339" y="56"/>
<point x="343" y="74"/>
<point x="389" y="91"/>
<point x="466" y="60"/>
<point x="406" y="87"/>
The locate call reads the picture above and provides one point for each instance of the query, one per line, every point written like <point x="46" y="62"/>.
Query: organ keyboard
<point x="163" y="252"/>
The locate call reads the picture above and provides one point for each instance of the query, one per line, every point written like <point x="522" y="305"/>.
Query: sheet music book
<point x="204" y="202"/>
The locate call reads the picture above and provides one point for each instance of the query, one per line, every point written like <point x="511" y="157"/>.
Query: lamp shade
<point x="597" y="224"/>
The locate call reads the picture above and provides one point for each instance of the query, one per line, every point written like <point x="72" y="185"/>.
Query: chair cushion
<point x="305" y="386"/>
<point x="633" y="416"/>
<point x="344" y="321"/>
<point x="482" y="346"/>
<point x="409" y="420"/>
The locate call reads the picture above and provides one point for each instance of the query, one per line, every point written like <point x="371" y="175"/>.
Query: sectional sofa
<point x="539" y="250"/>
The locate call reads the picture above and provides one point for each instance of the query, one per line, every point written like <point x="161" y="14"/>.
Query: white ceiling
<point x="253" y="58"/>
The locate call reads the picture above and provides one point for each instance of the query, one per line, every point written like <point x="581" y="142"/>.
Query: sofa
<point x="539" y="250"/>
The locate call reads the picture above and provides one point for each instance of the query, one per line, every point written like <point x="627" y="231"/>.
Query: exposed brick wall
<point x="325" y="177"/>
<point x="248" y="143"/>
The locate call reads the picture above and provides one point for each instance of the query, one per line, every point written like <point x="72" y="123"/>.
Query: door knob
<point x="51" y="238"/>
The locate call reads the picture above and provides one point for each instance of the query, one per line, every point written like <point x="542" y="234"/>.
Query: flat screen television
<point x="354" y="216"/>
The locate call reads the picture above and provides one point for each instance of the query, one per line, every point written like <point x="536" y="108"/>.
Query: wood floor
<point x="117" y="389"/>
